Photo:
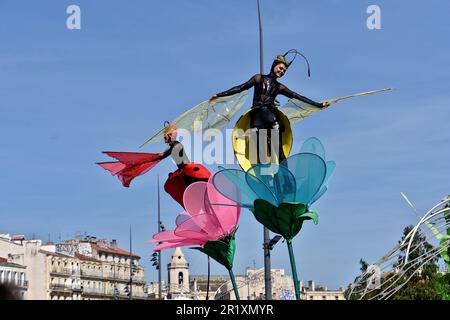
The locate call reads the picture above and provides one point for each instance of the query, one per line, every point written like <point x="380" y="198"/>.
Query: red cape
<point x="130" y="165"/>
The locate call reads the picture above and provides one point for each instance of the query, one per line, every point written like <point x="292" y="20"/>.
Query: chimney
<point x="114" y="244"/>
<point x="18" y="239"/>
<point x="311" y="285"/>
<point x="93" y="240"/>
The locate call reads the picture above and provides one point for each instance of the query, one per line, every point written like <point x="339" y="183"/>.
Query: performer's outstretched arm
<point x="293" y="95"/>
<point x="245" y="86"/>
<point x="166" y="153"/>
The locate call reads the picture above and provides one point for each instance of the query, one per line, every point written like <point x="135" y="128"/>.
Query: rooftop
<point x="117" y="251"/>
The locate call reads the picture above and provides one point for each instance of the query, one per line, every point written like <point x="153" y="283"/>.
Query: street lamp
<point x="273" y="242"/>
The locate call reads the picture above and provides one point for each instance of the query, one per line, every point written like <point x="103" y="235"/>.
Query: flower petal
<point x="313" y="145"/>
<point x="202" y="226"/>
<point x="220" y="251"/>
<point x="195" y="199"/>
<point x="260" y="178"/>
<point x="331" y="166"/>
<point x="231" y="183"/>
<point x="163" y="236"/>
<point x="309" y="171"/>
<point x="226" y="211"/>
<point x="169" y="245"/>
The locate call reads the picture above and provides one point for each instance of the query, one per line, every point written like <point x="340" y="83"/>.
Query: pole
<point x="294" y="269"/>
<point x="209" y="274"/>
<point x="131" y="264"/>
<point x="233" y="281"/>
<point x="267" y="265"/>
<point x="159" y="252"/>
<point x="261" y="50"/>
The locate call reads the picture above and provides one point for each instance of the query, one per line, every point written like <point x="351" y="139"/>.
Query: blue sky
<point x="65" y="96"/>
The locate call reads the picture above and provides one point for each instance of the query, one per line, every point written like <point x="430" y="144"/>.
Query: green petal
<point x="220" y="251"/>
<point x="286" y="220"/>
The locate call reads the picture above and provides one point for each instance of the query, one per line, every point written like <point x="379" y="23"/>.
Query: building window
<point x="311" y="298"/>
<point x="324" y="298"/>
<point x="336" y="297"/>
<point x="180" y="278"/>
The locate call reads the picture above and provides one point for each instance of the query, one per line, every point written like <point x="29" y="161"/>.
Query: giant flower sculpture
<point x="210" y="220"/>
<point x="280" y="196"/>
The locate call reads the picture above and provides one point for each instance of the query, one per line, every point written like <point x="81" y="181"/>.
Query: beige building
<point x="76" y="269"/>
<point x="251" y="286"/>
<point x="26" y="253"/>
<point x="13" y="274"/>
<point x="313" y="292"/>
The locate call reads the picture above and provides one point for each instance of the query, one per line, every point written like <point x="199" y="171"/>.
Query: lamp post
<point x="131" y="267"/>
<point x="160" y="226"/>
<point x="267" y="265"/>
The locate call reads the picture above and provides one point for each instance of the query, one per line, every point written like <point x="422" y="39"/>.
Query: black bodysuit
<point x="266" y="90"/>
<point x="263" y="112"/>
<point x="176" y="151"/>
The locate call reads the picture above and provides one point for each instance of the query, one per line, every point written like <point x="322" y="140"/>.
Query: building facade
<point x="13" y="274"/>
<point x="314" y="292"/>
<point x="76" y="269"/>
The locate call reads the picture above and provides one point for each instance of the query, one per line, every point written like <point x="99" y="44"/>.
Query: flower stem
<point x="294" y="269"/>
<point x="233" y="281"/>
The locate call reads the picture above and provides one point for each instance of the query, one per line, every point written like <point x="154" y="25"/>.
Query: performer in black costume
<point x="175" y="149"/>
<point x="267" y="87"/>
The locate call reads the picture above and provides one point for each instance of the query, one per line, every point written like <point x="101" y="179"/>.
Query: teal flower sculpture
<point x="280" y="196"/>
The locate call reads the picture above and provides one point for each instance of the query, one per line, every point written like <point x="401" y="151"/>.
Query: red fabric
<point x="175" y="186"/>
<point x="130" y="165"/>
<point x="179" y="180"/>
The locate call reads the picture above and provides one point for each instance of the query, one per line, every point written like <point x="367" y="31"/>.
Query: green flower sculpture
<point x="280" y="196"/>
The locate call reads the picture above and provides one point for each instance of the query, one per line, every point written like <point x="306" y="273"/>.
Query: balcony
<point x="65" y="288"/>
<point x="60" y="288"/>
<point x="63" y="272"/>
<point x="22" y="284"/>
<point x="91" y="274"/>
<point x="124" y="278"/>
<point x="93" y="291"/>
<point x="17" y="283"/>
<point x="136" y="295"/>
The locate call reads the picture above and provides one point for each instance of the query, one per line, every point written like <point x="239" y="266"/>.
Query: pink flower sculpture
<point x="210" y="220"/>
<point x="208" y="216"/>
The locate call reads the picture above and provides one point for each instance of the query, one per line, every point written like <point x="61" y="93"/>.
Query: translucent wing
<point x="297" y="110"/>
<point x="215" y="116"/>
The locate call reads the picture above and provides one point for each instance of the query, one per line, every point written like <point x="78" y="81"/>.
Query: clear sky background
<point x="65" y="96"/>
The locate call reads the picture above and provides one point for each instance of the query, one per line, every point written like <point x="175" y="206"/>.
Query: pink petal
<point x="163" y="236"/>
<point x="226" y="211"/>
<point x="169" y="245"/>
<point x="195" y="199"/>
<point x="206" y="225"/>
<point x="182" y="217"/>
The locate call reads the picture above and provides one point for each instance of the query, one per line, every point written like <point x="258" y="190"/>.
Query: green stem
<point x="233" y="281"/>
<point x="294" y="269"/>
